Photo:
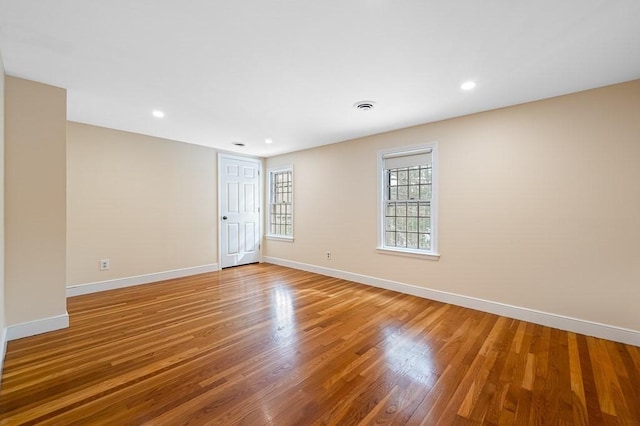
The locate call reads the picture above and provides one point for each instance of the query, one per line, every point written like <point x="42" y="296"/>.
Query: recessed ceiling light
<point x="158" y="114"/>
<point x="364" y="105"/>
<point x="268" y="141"/>
<point x="237" y="143"/>
<point x="468" y="85"/>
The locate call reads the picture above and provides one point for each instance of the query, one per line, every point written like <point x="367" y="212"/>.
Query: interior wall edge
<point x="576" y="325"/>
<point x="94" y="287"/>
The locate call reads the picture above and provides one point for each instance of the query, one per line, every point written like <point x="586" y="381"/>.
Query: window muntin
<point x="408" y="203"/>
<point x="281" y="203"/>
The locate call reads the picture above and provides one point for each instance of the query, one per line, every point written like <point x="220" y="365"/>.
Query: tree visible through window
<point x="408" y="202"/>
<point x="281" y="203"/>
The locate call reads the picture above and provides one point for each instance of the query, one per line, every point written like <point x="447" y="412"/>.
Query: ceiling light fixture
<point x="468" y="85"/>
<point x="158" y="114"/>
<point x="364" y="105"/>
<point x="268" y="141"/>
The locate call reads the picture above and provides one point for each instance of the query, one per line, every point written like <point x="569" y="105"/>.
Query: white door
<point x="239" y="192"/>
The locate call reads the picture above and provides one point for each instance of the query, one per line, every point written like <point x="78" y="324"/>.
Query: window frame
<point x="270" y="175"/>
<point x="433" y="253"/>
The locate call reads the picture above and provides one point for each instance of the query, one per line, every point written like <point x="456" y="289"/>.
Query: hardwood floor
<point x="262" y="344"/>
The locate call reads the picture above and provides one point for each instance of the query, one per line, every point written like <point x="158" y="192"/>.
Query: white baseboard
<point x="79" y="289"/>
<point x="576" y="325"/>
<point x="31" y="328"/>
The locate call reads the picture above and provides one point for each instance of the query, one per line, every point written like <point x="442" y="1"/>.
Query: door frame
<point x="258" y="162"/>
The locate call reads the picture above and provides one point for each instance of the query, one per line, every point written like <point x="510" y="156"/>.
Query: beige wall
<point x="539" y="206"/>
<point x="147" y="204"/>
<point x="35" y="200"/>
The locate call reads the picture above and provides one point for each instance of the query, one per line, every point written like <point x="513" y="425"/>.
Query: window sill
<point x="408" y="253"/>
<point x="279" y="238"/>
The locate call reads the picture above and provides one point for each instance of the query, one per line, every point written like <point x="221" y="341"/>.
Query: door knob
<point x="224" y="218"/>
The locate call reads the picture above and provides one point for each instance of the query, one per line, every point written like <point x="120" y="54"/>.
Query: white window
<point x="280" y="215"/>
<point x="408" y="202"/>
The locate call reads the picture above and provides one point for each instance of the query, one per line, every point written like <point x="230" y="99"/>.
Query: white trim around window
<point x="280" y="203"/>
<point x="423" y="243"/>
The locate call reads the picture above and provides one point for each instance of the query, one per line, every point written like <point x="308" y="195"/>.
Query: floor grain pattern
<point x="263" y="344"/>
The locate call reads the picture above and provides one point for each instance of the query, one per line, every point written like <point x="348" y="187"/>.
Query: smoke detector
<point x="364" y="105"/>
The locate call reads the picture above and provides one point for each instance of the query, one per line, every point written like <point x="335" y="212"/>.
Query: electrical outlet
<point x="104" y="264"/>
<point x="328" y="255"/>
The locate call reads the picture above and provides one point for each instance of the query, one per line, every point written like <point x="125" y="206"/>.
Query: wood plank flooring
<point x="263" y="344"/>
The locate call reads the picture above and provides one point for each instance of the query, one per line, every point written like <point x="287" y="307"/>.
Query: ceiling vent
<point x="364" y="105"/>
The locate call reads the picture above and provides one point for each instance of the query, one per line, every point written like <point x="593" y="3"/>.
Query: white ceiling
<point x="243" y="71"/>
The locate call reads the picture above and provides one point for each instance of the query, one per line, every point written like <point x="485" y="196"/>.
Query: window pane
<point x="401" y="239"/>
<point x="390" y="239"/>
<point x="425" y="241"/>
<point x="412" y="224"/>
<point x="425" y="192"/>
<point x="414" y="192"/>
<point x="401" y="223"/>
<point x="393" y="178"/>
<point x="412" y="209"/>
<point x="401" y="209"/>
<point x="390" y="224"/>
<point x="425" y="175"/>
<point x="403" y="177"/>
<point x="391" y="209"/>
<point x="403" y="192"/>
<point x="393" y="193"/>
<point x="425" y="210"/>
<point x="424" y="224"/>
<point x="412" y="241"/>
<point x="414" y="176"/>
